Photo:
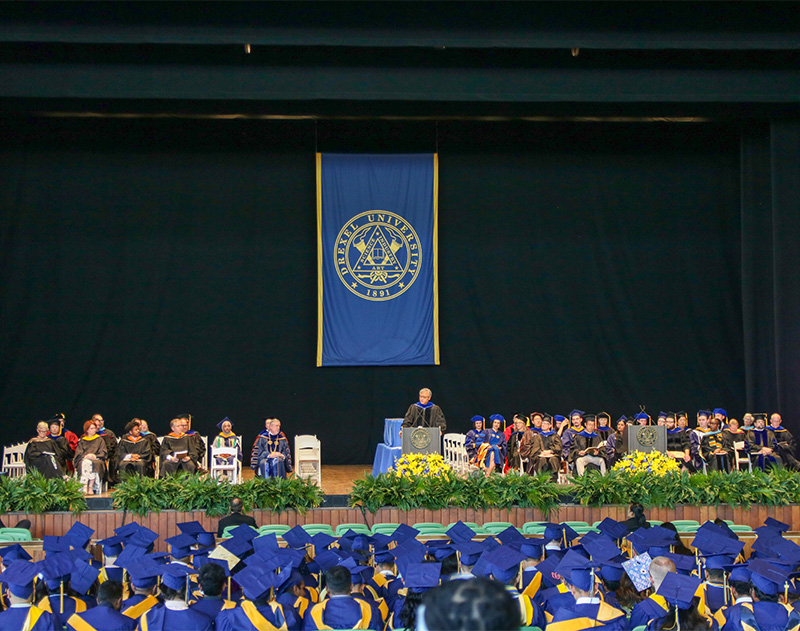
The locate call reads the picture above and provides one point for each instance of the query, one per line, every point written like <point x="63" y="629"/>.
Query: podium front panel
<point x="422" y="440"/>
<point x="645" y="438"/>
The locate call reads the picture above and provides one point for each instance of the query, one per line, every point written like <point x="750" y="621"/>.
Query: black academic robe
<point x="42" y="456"/>
<point x="430" y="415"/>
<point x="550" y="441"/>
<point x="180" y="446"/>
<point x="139" y="446"/>
<point x="712" y="441"/>
<point x="583" y="440"/>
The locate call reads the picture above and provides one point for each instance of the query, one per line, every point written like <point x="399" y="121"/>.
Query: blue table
<point x="390" y="449"/>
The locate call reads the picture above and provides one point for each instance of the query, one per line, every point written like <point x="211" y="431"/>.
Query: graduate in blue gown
<point x="492" y="453"/>
<point x="175" y="613"/>
<point x="340" y="610"/>
<point x="213" y="581"/>
<point x="21" y="614"/>
<point x="106" y="616"/>
<point x="257" y="610"/>
<point x="474" y="438"/>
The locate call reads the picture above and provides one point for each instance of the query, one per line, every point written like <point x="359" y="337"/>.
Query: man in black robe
<point x="177" y="451"/>
<point x="424" y="413"/>
<point x="587" y="448"/>
<point x="679" y="445"/>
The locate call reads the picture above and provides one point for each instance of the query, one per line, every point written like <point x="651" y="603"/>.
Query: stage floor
<point x="336" y="479"/>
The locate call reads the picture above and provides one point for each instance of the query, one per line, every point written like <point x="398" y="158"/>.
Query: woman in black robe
<point x="90" y="459"/>
<point x="42" y="454"/>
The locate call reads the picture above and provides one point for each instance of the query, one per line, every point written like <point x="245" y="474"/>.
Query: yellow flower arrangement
<point x="420" y="465"/>
<point x="654" y="462"/>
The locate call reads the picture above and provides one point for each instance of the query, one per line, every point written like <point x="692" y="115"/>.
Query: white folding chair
<point x="14" y="460"/>
<point x="742" y="457"/>
<point x="450" y="448"/>
<point x="203" y="464"/>
<point x="230" y="467"/>
<point x="307" y="460"/>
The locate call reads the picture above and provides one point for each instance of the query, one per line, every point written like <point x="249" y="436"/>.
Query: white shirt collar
<point x="176" y="605"/>
<point x="587" y="600"/>
<point x="743" y="599"/>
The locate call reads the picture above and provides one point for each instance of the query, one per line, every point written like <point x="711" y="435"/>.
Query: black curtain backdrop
<point x="152" y="267"/>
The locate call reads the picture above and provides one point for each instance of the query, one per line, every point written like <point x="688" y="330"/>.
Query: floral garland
<point x="653" y="461"/>
<point x="420" y="465"/>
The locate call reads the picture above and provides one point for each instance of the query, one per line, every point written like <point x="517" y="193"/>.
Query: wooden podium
<point x="645" y="438"/>
<point x="422" y="440"/>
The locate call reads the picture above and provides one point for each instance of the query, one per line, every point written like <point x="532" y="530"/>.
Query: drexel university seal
<point x="377" y="255"/>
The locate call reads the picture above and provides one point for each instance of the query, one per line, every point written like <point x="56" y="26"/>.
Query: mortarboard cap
<point x="638" y="570"/>
<point x="145" y="575"/>
<point x="612" y="528"/>
<point x="130" y="556"/>
<point x="718" y="561"/>
<point x="622" y="418"/>
<point x="19" y="576"/>
<point x="611" y="570"/>
<point x="143" y="537"/>
<point x="678" y="589"/>
<point x="297" y="538"/>
<point x="497" y="417"/>
<point x="469" y="551"/>
<point x="739" y="572"/>
<point x="721" y="411"/>
<point x="579" y="573"/>
<point x="601" y="548"/>
<point x="83" y="577"/>
<point x="237" y="546"/>
<point x="775" y="524"/>
<point x="711" y="540"/>
<point x="55" y="568"/>
<point x="532" y="547"/>
<point x="460" y="532"/>
<point x="14" y="552"/>
<point x="383" y="556"/>
<point x="327" y="559"/>
<point x="440" y="553"/>
<point x="127" y="530"/>
<point x="56" y="544"/>
<point x="510" y="535"/>
<point x="322" y="540"/>
<point x="559" y="419"/>
<point x="420" y="577"/>
<point x="80" y="534"/>
<point x="504" y="563"/>
<point x="577" y="413"/>
<point x="662" y="415"/>
<point x="703" y="413"/>
<point x="766" y="576"/>
<point x="173" y="575"/>
<point x="244" y="532"/>
<point x="642" y="416"/>
<point x="477" y="418"/>
<point x="404" y="531"/>
<point x="219" y="425"/>
<point x="558" y="532"/>
<point x="266" y="542"/>
<point x="181" y="546"/>
<point x="112" y="546"/>
<point x="684" y="564"/>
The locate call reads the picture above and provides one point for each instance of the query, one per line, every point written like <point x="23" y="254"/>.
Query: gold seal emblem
<point x="377" y="255"/>
<point x="648" y="436"/>
<point x="420" y="438"/>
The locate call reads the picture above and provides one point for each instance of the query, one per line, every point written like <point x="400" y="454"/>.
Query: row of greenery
<point x="140" y="495"/>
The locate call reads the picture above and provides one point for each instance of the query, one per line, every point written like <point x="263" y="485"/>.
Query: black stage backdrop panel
<point x="152" y="267"/>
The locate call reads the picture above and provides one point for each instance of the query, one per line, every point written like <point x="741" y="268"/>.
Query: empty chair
<point x="17" y="534"/>
<point x="313" y="529"/>
<point x="493" y="527"/>
<point x="361" y="529"/>
<point x="744" y="528"/>
<point x="533" y="528"/>
<point x="386" y="528"/>
<point x="430" y="525"/>
<point x="307" y="459"/>
<point x="277" y="529"/>
<point x="13" y="460"/>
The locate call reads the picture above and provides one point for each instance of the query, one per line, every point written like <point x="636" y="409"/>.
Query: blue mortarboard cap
<point x="469" y="551"/>
<point x="505" y="563"/>
<point x="711" y="539"/>
<point x="641" y="416"/>
<point x="786" y="550"/>
<point x="112" y="546"/>
<point x="421" y="577"/>
<point x="143" y="537"/>
<point x="775" y="524"/>
<point x="678" y="589"/>
<point x="145" y="575"/>
<point x="237" y="547"/>
<point x="477" y="418"/>
<point x="130" y="556"/>
<point x="19" y="576"/>
<point x="297" y="537"/>
<point x="644" y="539"/>
<point x="548" y="567"/>
<point x="612" y="528"/>
<point x="577" y="412"/>
<point x="14" y="552"/>
<point x="159" y="558"/>
<point x="766" y="576"/>
<point x="190" y="527"/>
<point x="219" y="425"/>
<point x="739" y="572"/>
<point x="557" y="418"/>
<point x="327" y="559"/>
<point x="127" y="530"/>
<point x="460" y="532"/>
<point x="268" y="542"/>
<point x="721" y="411"/>
<point x="622" y="418"/>
<point x="80" y="534"/>
<point x="244" y="532"/>
<point x="703" y="412"/>
<point x="173" y="575"/>
<point x="638" y="570"/>
<point x="611" y="570"/>
<point x="601" y="548"/>
<point x="662" y="415"/>
<point x="380" y="540"/>
<point x="181" y="545"/>
<point x="360" y="573"/>
<point x="579" y="573"/>
<point x="533" y="547"/>
<point x="510" y="534"/>
<point x="404" y="531"/>
<point x="294" y="578"/>
<point x="684" y="564"/>
<point x="56" y="544"/>
<point x="55" y="568"/>
<point x="718" y="561"/>
<point x="322" y="540"/>
<point x="83" y="577"/>
<point x="497" y="417"/>
<point x="557" y="531"/>
<point x="383" y="555"/>
<point x="440" y="553"/>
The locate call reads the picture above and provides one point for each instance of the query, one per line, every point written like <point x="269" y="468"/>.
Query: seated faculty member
<point x="177" y="451"/>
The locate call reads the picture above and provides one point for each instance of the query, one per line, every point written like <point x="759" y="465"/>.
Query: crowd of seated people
<point x="99" y="457"/>
<point x="619" y="576"/>
<point x="580" y="442"/>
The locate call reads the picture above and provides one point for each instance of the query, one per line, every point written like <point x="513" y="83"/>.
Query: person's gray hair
<point x="428" y="390"/>
<point x="659" y="568"/>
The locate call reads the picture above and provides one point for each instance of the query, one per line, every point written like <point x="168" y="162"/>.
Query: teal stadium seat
<point x="385" y="528"/>
<point x="17" y="534"/>
<point x="361" y="529"/>
<point x="313" y="529"/>
<point x="278" y="529"/>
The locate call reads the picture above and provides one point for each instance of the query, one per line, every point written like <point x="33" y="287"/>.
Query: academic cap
<point x="786" y="550"/>
<point x="420" y="577"/>
<point x="497" y="417"/>
<point x="145" y="575"/>
<point x="638" y="570"/>
<point x="576" y="412"/>
<point x="504" y="563"/>
<point x="644" y="539"/>
<point x="14" y="552"/>
<point x="130" y="556"/>
<point x="532" y="547"/>
<point x="612" y="528"/>
<point x="477" y="418"/>
<point x="19" y="576"/>
<point x="83" y="577"/>
<point x="470" y="551"/>
<point x="237" y="546"/>
<point x="181" y="546"/>
<point x="611" y="570"/>
<point x="410" y="550"/>
<point x="703" y="413"/>
<point x="245" y="532"/>
<point x="297" y="537"/>
<point x="322" y="540"/>
<point x="510" y="534"/>
<point x="460" y="532"/>
<point x="559" y="419"/>
<point x="55" y="568"/>
<point x="642" y="416"/>
<point x="721" y="411"/>
<point x="557" y="531"/>
<point x="589" y="417"/>
<point x="601" y="548"/>
<point x="440" y="553"/>
<point x="662" y="415"/>
<point x="80" y="534"/>
<point x="548" y="566"/>
<point x="219" y="425"/>
<point x="777" y="525"/>
<point x="127" y="530"/>
<point x="760" y="416"/>
<point x="580" y="574"/>
<point x="383" y="555"/>
<point x="56" y="544"/>
<point x="739" y="572"/>
<point x="622" y="418"/>
<point x="143" y="537"/>
<point x="684" y="564"/>
<point x="711" y="540"/>
<point x="678" y="589"/>
<point x="719" y="561"/>
<point x="173" y="575"/>
<point x="266" y="542"/>
<point x="327" y="559"/>
<point x="766" y="576"/>
<point x="403" y="532"/>
<point x="112" y="546"/>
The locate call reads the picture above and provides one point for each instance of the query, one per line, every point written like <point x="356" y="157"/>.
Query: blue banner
<point x="377" y="259"/>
